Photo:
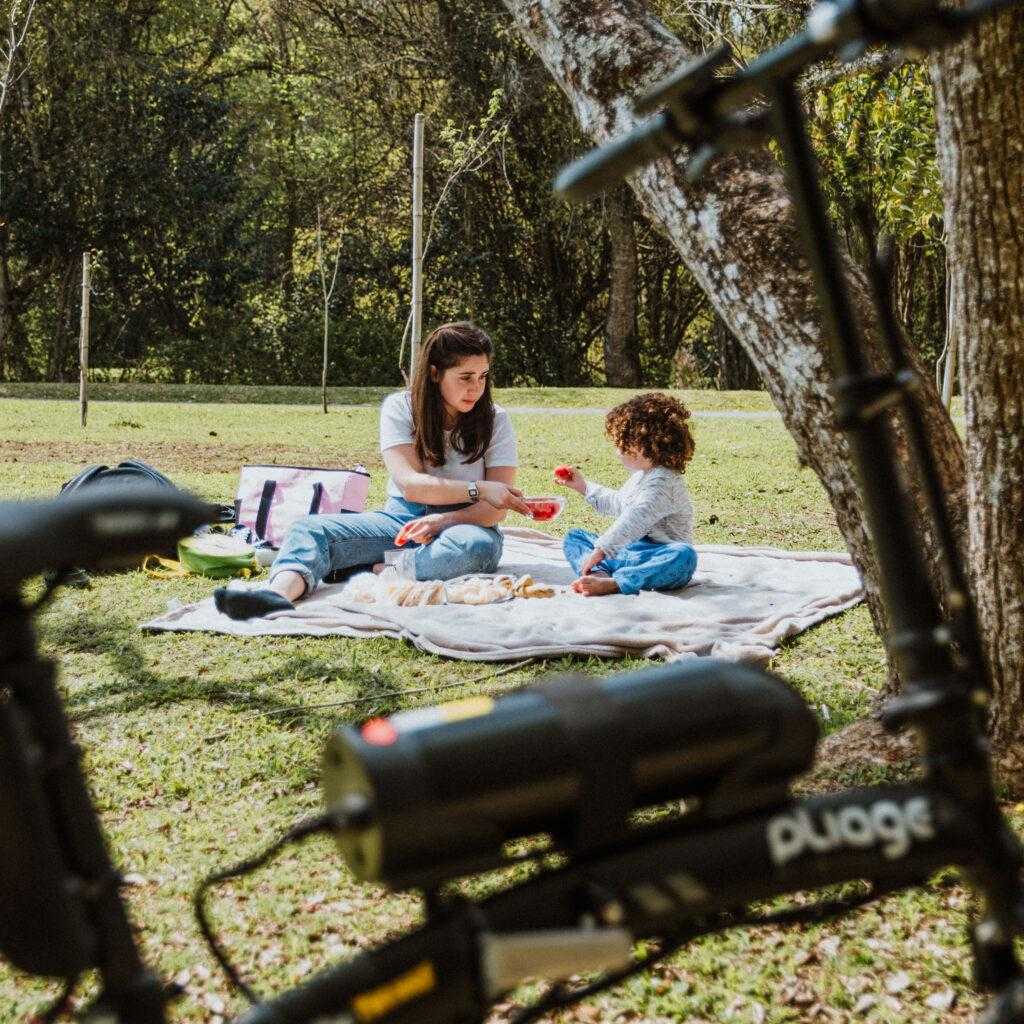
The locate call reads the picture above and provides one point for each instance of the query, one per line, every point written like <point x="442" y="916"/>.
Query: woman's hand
<point x="502" y="496"/>
<point x="422" y="530"/>
<point x="569" y="476"/>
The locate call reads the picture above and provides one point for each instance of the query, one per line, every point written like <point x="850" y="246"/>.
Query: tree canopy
<point x="192" y="144"/>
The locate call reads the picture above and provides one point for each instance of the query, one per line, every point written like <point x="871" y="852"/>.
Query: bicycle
<point x="60" y="906"/>
<point x="744" y="840"/>
<point x="411" y="805"/>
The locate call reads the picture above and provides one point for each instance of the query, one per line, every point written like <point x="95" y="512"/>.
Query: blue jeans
<point x="319" y="545"/>
<point x="642" y="565"/>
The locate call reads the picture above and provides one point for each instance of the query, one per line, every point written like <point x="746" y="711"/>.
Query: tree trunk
<point x="59" y="359"/>
<point x="980" y="112"/>
<point x="737" y="234"/>
<point x="621" y="357"/>
<point x="735" y="371"/>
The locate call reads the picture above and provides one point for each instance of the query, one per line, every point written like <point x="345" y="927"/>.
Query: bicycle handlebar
<point x="105" y="525"/>
<point x="699" y="106"/>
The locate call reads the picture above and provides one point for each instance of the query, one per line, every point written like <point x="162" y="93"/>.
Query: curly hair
<point x="654" y="426"/>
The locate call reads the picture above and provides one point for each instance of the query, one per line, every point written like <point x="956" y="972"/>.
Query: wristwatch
<point x="473" y="491"/>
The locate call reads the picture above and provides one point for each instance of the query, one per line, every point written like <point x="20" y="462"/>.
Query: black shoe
<point x="249" y="604"/>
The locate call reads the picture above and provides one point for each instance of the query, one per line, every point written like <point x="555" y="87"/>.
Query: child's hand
<point x="591" y="560"/>
<point x="570" y="477"/>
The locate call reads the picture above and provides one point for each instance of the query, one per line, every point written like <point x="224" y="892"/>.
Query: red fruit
<point x="403" y="536"/>
<point x="563" y="473"/>
<point x="543" y="510"/>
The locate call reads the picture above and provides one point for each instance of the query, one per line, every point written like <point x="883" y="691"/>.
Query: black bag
<point x="131" y="471"/>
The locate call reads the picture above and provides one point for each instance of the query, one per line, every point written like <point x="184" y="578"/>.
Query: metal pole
<point x="417" y="242"/>
<point x="83" y="379"/>
<point x="906" y="587"/>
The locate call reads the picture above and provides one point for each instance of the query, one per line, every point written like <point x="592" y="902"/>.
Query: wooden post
<point x="83" y="378"/>
<point x="948" y="376"/>
<point x="417" y="242"/>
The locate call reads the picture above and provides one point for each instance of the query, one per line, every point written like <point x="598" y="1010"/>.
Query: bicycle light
<point x="573" y="757"/>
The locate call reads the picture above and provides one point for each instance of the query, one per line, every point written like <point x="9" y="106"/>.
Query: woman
<point x="451" y="456"/>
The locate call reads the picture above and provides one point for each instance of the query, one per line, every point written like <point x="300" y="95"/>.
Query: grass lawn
<point x="198" y="754"/>
<point x="753" y="401"/>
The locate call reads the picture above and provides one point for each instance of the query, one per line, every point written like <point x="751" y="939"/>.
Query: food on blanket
<point x="543" y="509"/>
<point x="527" y="586"/>
<point x="414" y="593"/>
<point x="432" y="592"/>
<point x="361" y="589"/>
<point x="367" y="588"/>
<point x="563" y="473"/>
<point x="480" y="591"/>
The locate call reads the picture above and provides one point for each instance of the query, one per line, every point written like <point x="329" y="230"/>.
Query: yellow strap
<point x="164" y="569"/>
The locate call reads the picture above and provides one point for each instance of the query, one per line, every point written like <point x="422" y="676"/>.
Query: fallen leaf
<point x="897" y="982"/>
<point x="865" y="1003"/>
<point x="214" y="1002"/>
<point x="941" y="1001"/>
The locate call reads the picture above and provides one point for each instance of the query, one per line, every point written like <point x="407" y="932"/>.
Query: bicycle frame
<point x="683" y="882"/>
<point x="60" y="893"/>
<point x="683" y="878"/>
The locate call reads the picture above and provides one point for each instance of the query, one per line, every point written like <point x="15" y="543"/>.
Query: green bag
<point x="215" y="555"/>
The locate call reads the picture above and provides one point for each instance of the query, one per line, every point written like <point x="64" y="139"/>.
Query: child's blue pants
<point x="642" y="565"/>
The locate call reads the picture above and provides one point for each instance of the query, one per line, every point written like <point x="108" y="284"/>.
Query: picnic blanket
<point x="741" y="603"/>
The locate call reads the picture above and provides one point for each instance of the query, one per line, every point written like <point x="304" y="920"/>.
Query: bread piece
<point x="398" y="592"/>
<point x="538" y="590"/>
<point x="431" y="592"/>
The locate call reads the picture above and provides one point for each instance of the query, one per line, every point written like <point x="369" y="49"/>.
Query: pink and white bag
<point x="271" y="498"/>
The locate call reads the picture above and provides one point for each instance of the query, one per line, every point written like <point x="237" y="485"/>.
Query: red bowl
<point x="545" y="509"/>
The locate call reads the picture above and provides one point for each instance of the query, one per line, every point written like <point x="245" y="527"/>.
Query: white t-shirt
<point x="396" y="428"/>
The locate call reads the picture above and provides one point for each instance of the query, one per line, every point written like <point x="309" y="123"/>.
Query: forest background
<point x="220" y="158"/>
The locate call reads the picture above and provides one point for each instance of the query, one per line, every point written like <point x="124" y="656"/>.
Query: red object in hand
<point x="380" y="732"/>
<point x="563" y="473"/>
<point x="543" y="509"/>
<point x="403" y="536"/>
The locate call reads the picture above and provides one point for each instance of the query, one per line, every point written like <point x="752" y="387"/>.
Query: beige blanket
<point x="741" y="603"/>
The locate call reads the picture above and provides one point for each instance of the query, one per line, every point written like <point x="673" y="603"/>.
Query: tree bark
<point x="621" y="357"/>
<point x="980" y="113"/>
<point x="737" y="234"/>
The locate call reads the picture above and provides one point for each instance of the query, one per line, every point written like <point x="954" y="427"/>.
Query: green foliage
<point x="879" y="143"/>
<point x="190" y="145"/>
<point x="875" y="136"/>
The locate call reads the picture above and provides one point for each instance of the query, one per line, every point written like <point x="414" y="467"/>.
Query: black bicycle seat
<point x="105" y="526"/>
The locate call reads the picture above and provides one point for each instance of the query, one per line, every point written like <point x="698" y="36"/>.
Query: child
<point x="650" y="544"/>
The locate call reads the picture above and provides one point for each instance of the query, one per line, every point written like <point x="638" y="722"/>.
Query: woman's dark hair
<point x="444" y="348"/>
<point x="655" y="426"/>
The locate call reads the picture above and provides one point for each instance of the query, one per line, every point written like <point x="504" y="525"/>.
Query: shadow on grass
<point x="138" y="687"/>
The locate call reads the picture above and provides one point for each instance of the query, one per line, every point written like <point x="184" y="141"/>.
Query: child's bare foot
<point x="594" y="585"/>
